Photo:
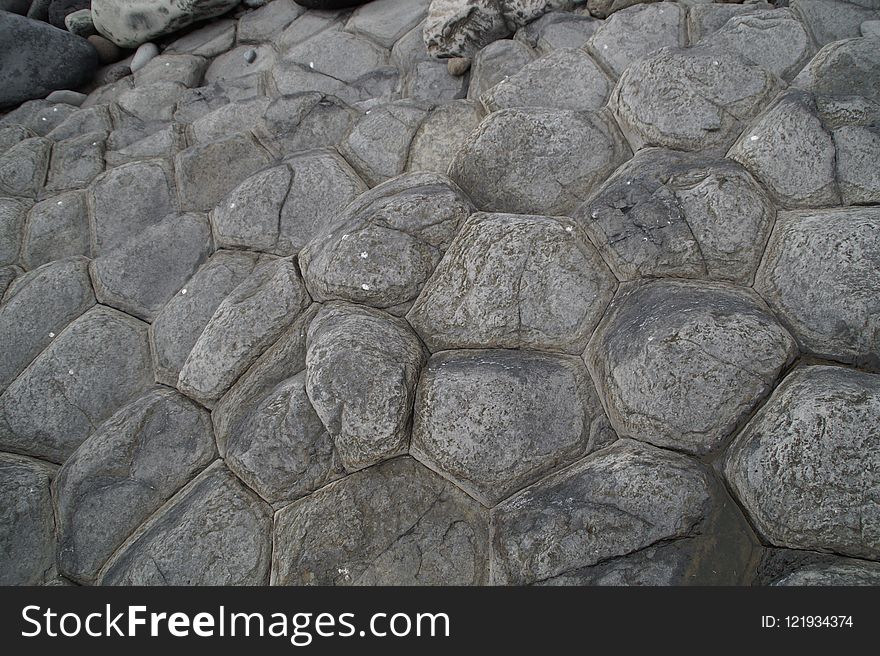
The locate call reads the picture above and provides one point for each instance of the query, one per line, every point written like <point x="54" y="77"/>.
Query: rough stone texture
<point x="495" y="62"/>
<point x="305" y="121"/>
<point x="184" y="69"/>
<point x="850" y="67"/>
<point x="820" y="275"/>
<point x="361" y="372"/>
<point x="682" y="364"/>
<point x="123" y="473"/>
<point x="617" y="501"/>
<point x="705" y="18"/>
<point x="441" y="134"/>
<point x="696" y="98"/>
<point x="578" y="150"/>
<point x="267" y="21"/>
<point x="211" y="40"/>
<point x="557" y="30"/>
<point x="56" y="228"/>
<point x="23" y="167"/>
<point x="13" y="213"/>
<point x="493" y="287"/>
<point x="383" y="247"/>
<point x="248" y="217"/>
<point x="213" y="532"/>
<point x="832" y="20"/>
<point x="248" y="320"/>
<point x="666" y="213"/>
<point x="386" y="21"/>
<point x="805" y="468"/>
<point x="234" y="117"/>
<point x="39" y="306"/>
<point x="76" y="162"/>
<point x="844" y="573"/>
<point x="494" y="421"/>
<point x="143" y="275"/>
<point x="395" y="524"/>
<point x="93" y="367"/>
<point x="27" y="536"/>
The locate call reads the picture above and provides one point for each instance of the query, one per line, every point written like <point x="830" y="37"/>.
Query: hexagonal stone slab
<point x="23" y="167"/>
<point x="153" y="102"/>
<point x="178" y="326"/>
<point x="27" y="523"/>
<point x="39" y="306"/>
<point x="362" y="368"/>
<point x="93" y="367"/>
<point x="213" y="532"/>
<point x="696" y="98"/>
<point x="248" y="216"/>
<point x="383" y="247"/>
<point x="185" y="69"/>
<point x="134" y="462"/>
<point x="213" y="39"/>
<point x="667" y="213"/>
<point x="558" y="29"/>
<point x="56" y="228"/>
<point x="385" y="21"/>
<point x="144" y="274"/>
<point x="76" y="162"/>
<point x="578" y="150"/>
<point x="849" y="68"/>
<point x="513" y="281"/>
<point x="496" y="61"/>
<point x="857" y="146"/>
<point x="442" y="134"/>
<point x="617" y="501"/>
<point x="394" y="524"/>
<point x="820" y="275"/>
<point x="13" y="213"/>
<point x="681" y="364"/>
<point x="339" y="55"/>
<point x="567" y="78"/>
<point x="226" y="119"/>
<point x="494" y="421"/>
<point x="304" y="121"/>
<point x="82" y="121"/>
<point x="246" y="323"/>
<point x="806" y="466"/>
<point x="267" y="21"/>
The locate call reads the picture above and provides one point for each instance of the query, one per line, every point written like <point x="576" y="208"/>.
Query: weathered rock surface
<point x="23" y="167"/>
<point x="56" y="228"/>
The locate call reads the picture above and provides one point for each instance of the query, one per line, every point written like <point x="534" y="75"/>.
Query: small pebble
<point x="143" y="55"/>
<point x="250" y="56"/>
<point x="80" y="23"/>
<point x="458" y="66"/>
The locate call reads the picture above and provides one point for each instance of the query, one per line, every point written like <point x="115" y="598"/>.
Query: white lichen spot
<point x="70" y="371"/>
<point x="54" y="109"/>
<point x="51" y="334"/>
<point x="595" y="214"/>
<point x="344" y="237"/>
<point x="605" y="47"/>
<point x="43" y="118"/>
<point x="364" y="255"/>
<point x="754" y="137"/>
<point x="232" y="206"/>
<point x="60" y="203"/>
<point x="365" y="287"/>
<point x="568" y="228"/>
<point x="311" y="64"/>
<point x="183" y="291"/>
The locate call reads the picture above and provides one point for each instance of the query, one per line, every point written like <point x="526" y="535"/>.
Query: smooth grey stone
<point x="134" y="462"/>
<point x="41" y="304"/>
<point x="57" y="228"/>
<point x="386" y="21"/>
<point x="126" y="200"/>
<point x="495" y="62"/>
<point x="165" y="143"/>
<point x="671" y="214"/>
<point x="847" y="68"/>
<point x="305" y="121"/>
<point x="80" y="23"/>
<point x="187" y="70"/>
<point x="394" y="524"/>
<point x="705" y="18"/>
<point x="151" y="102"/>
<point x="76" y="162"/>
<point x="27" y="522"/>
<point x="378" y="145"/>
<point x="617" y="501"/>
<point x="514" y="281"/>
<point x="681" y="364"/>
<point x="144" y="274"/>
<point x="179" y="324"/>
<point x="307" y="26"/>
<point x="441" y="134"/>
<point x="109" y="92"/>
<point x="567" y="78"/>
<point x="340" y="55"/>
<point x="205" y="173"/>
<point x="578" y="150"/>
<point x="431" y="82"/>
<point x="39" y="10"/>
<point x="268" y="21"/>
<point x="13" y="134"/>
<point x="494" y="421"/>
<point x="846" y="572"/>
<point x="605" y="8"/>
<point x="8" y="274"/>
<point x="232" y="65"/>
<point x="212" y="39"/>
<point x="805" y="468"/>
<point x="92" y="367"/>
<point x="13" y="214"/>
<point x="108" y="53"/>
<point x="790" y="150"/>
<point x="870" y="28"/>
<point x="282" y="450"/>
<point x="67" y="97"/>
<point x="244" y="325"/>
<point x="233" y="117"/>
<point x="38" y="116"/>
<point x="83" y="121"/>
<point x="213" y="532"/>
<point x="636" y="32"/>
<point x="23" y="167"/>
<point x="697" y="98"/>
<point x="557" y="30"/>
<point x="832" y="20"/>
<point x="19" y="7"/>
<point x="249" y="216"/>
<point x="143" y="55"/>
<point x="362" y="368"/>
<point x="195" y="103"/>
<point x="820" y="275"/>
<point x="383" y="247"/>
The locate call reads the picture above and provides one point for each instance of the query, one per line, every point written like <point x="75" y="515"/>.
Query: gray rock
<point x="196" y="103"/>
<point x="13" y="213"/>
<point x="394" y="524"/>
<point x="494" y="421"/>
<point x="378" y="145"/>
<point x="805" y="468"/>
<point x="143" y="55"/>
<point x="83" y="121"/>
<point x="458" y="66"/>
<point x="307" y="26"/>
<point x="249" y="216"/>
<point x="80" y="23"/>
<point x="857" y="147"/>
<point x="616" y="501"/>
<point x="205" y="173"/>
<point x="383" y="247"/>
<point x="56" y="228"/>
<point x="134" y="462"/>
<point x="112" y="89"/>
<point x="832" y="20"/>
<point x="212" y="39"/>
<point x="557" y="30"/>
<point x="681" y="364"/>
<point x="697" y="98"/>
<point x="441" y="134"/>
<point x="27" y="524"/>
<point x="11" y="135"/>
<point x="636" y="32"/>
<point x="8" y="274"/>
<point x="38" y="116"/>
<point x="495" y="62"/>
<point x="340" y="55"/>
<point x="846" y="572"/>
<point x="23" y="167"/>
<point x="244" y="325"/>
<point x="233" y="117"/>
<point x="870" y="28"/>
<point x="162" y="144"/>
<point x="268" y="21"/>
<point x="19" y="7"/>
<point x="282" y="449"/>
<point x="305" y="121"/>
<point x="36" y="58"/>
<point x="512" y="281"/>
<point x="578" y="150"/>
<point x="386" y="21"/>
<point x="705" y="18"/>
<point x="108" y="52"/>
<point x="38" y="308"/>
<point x="567" y="78"/>
<point x="430" y="81"/>
<point x="127" y="200"/>
<point x="213" y="532"/>
<point x="151" y="102"/>
<point x="130" y="23"/>
<point x="666" y="213"/>
<point x="819" y="275"/>
<point x="144" y="274"/>
<point x="848" y="68"/>
<point x="67" y="97"/>
<point x="178" y="326"/>
<point x="93" y="367"/>
<point x="76" y="162"/>
<point x="187" y="70"/>
<point x="362" y="367"/>
<point x="458" y="29"/>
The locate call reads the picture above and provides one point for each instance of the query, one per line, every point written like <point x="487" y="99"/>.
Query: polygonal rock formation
<point x="57" y="228"/>
<point x="849" y="68"/>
